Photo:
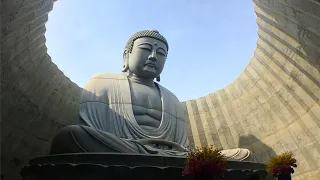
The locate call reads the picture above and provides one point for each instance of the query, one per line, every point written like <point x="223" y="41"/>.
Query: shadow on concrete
<point x="261" y="151"/>
<point x="307" y="40"/>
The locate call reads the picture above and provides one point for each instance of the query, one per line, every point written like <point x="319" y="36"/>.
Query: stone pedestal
<point x="105" y="166"/>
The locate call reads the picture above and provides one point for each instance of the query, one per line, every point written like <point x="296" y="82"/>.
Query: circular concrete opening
<point x="209" y="45"/>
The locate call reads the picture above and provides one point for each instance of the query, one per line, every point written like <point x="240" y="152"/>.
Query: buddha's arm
<point x="181" y="133"/>
<point x="94" y="103"/>
<point x="180" y="136"/>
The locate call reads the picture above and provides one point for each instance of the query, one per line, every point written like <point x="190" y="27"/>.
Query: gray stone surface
<point x="275" y="100"/>
<point x="129" y="112"/>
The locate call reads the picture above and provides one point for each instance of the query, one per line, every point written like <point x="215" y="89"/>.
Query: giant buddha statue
<point x="130" y="112"/>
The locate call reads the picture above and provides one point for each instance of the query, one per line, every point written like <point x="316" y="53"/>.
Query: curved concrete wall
<point x="37" y="99"/>
<point x="273" y="106"/>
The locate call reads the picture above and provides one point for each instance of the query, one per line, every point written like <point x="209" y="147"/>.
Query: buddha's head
<point x="145" y="54"/>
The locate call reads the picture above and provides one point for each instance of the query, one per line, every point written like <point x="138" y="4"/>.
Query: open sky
<point x="210" y="42"/>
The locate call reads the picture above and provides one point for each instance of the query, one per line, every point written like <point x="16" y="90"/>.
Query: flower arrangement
<point x="281" y="164"/>
<point x="205" y="161"/>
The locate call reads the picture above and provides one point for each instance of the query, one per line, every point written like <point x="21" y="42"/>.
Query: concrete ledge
<point x="126" y="166"/>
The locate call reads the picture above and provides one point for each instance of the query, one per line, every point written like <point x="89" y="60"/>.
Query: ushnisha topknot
<point x="145" y="33"/>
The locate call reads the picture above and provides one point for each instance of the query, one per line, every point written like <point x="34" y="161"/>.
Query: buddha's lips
<point x="151" y="64"/>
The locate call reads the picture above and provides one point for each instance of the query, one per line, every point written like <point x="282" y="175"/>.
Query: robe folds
<point x="107" y="124"/>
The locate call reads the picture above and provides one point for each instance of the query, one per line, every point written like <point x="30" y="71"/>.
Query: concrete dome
<point x="271" y="107"/>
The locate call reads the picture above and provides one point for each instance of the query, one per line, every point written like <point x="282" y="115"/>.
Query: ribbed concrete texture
<point x="274" y="105"/>
<point x="37" y="99"/>
<point x="271" y="107"/>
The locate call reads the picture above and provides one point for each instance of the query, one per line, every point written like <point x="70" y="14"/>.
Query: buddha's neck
<point x="137" y="79"/>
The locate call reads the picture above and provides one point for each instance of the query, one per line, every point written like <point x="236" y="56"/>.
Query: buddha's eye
<point x="161" y="52"/>
<point x="145" y="47"/>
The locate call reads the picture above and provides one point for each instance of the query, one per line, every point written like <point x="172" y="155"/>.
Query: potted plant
<point x="205" y="163"/>
<point x="281" y="166"/>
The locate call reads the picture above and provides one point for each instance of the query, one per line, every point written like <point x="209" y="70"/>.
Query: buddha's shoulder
<point x="169" y="93"/>
<point x="102" y="85"/>
<point x="102" y="81"/>
<point x="174" y="103"/>
<point x="108" y="76"/>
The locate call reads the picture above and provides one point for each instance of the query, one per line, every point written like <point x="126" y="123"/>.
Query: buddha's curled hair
<point x="145" y="33"/>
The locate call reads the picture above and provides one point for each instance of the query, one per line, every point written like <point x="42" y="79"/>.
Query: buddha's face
<point x="147" y="58"/>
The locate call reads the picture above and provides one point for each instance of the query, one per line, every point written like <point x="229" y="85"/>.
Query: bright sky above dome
<point x="210" y="42"/>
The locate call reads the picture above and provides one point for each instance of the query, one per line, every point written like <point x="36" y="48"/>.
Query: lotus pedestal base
<point x="106" y="166"/>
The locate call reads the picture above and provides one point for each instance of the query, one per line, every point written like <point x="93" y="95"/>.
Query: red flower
<point x="282" y="164"/>
<point x="194" y="166"/>
<point x="205" y="161"/>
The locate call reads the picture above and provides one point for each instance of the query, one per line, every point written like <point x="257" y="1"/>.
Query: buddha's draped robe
<point x="107" y="122"/>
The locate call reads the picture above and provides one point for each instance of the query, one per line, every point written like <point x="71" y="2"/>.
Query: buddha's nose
<point x="152" y="56"/>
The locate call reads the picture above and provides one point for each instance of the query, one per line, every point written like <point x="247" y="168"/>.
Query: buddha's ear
<point x="125" y="65"/>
